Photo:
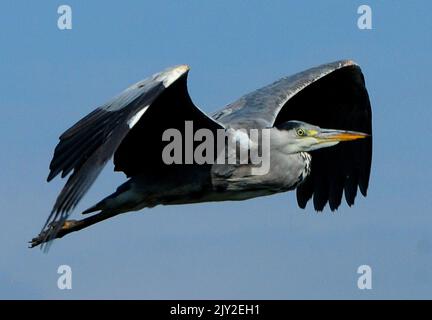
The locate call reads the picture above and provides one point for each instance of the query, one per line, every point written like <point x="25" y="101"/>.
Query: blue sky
<point x="262" y="248"/>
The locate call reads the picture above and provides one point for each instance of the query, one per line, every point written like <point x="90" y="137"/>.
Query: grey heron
<point x="308" y="115"/>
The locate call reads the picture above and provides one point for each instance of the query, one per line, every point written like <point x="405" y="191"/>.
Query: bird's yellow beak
<point x="340" y="135"/>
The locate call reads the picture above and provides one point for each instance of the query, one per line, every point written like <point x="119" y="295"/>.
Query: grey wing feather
<point x="86" y="147"/>
<point x="260" y="108"/>
<point x="333" y="96"/>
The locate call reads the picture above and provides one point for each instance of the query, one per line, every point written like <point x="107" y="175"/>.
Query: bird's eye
<point x="300" y="132"/>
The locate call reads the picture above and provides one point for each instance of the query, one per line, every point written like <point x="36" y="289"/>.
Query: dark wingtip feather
<point x="301" y="199"/>
<point x="363" y="191"/>
<point x="319" y="202"/>
<point x="51" y="176"/>
<point x="333" y="206"/>
<point x="304" y="192"/>
<point x="351" y="189"/>
<point x="301" y="205"/>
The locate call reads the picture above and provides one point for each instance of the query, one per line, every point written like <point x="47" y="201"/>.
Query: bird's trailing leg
<point x="54" y="231"/>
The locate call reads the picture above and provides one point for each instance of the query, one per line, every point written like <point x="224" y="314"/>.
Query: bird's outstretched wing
<point x="127" y="126"/>
<point x="332" y="96"/>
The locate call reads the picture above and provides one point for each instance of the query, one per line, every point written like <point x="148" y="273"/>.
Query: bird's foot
<point x="54" y="231"/>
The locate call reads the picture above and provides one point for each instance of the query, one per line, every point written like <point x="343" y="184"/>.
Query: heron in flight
<point x="320" y="145"/>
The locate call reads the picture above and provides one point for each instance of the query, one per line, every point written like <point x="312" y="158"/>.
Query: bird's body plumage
<point x="129" y="129"/>
<point x="218" y="182"/>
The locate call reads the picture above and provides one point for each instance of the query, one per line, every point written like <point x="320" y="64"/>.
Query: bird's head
<point x="296" y="136"/>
